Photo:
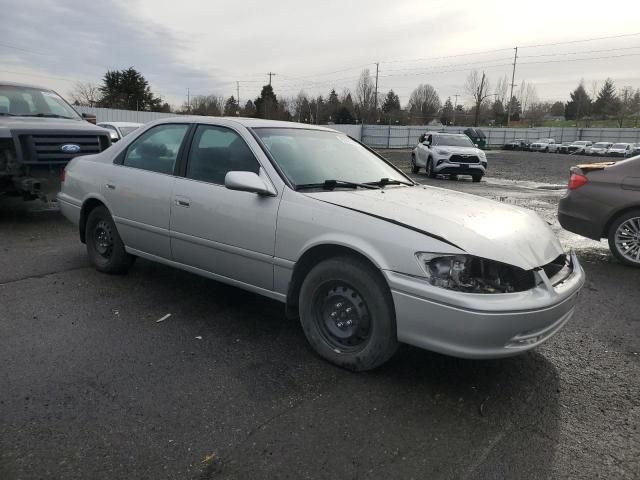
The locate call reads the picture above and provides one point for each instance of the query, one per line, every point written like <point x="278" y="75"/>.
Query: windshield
<point x="619" y="145"/>
<point x="580" y="143"/>
<point x="34" y="102"/>
<point x="314" y="156"/>
<point x="602" y="144"/>
<point x="544" y="140"/>
<point x="452" y="141"/>
<point x="127" y="130"/>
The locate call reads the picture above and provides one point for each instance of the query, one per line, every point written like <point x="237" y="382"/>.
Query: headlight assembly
<point x="469" y="274"/>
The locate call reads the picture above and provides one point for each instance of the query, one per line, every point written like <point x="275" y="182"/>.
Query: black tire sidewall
<point x="370" y="284"/>
<point x="429" y="169"/>
<point x="611" y="237"/>
<point x="120" y="260"/>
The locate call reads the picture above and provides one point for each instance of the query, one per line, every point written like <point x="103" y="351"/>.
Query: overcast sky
<point x="207" y="46"/>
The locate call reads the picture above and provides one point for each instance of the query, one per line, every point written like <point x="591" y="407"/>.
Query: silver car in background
<point x="620" y="150"/>
<point x="365" y="257"/>
<point x="599" y="148"/>
<point x="448" y="154"/>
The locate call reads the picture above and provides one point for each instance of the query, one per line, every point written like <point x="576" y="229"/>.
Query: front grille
<point x="464" y="159"/>
<point x="46" y="148"/>
<point x="560" y="268"/>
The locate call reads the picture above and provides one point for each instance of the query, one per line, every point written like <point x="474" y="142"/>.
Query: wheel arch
<point x="310" y="258"/>
<point x="615" y="216"/>
<point x="88" y="205"/>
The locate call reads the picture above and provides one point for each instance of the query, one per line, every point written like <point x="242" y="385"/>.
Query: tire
<point x="429" y="168"/>
<point x="357" y="293"/>
<point x="476" y="178"/>
<point x="414" y="168"/>
<point x="453" y="177"/>
<point x="625" y="231"/>
<point x="546" y="150"/>
<point x="104" y="245"/>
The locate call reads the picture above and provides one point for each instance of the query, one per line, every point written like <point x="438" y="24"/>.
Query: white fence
<point x="389" y="136"/>
<point x="114" y="115"/>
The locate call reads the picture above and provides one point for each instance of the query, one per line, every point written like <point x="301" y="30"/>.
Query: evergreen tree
<point x="516" y="108"/>
<point x="249" y="109"/>
<point x="267" y="103"/>
<point x="231" y="107"/>
<point x="446" y="115"/>
<point x="580" y="104"/>
<point x="606" y="105"/>
<point x="129" y="90"/>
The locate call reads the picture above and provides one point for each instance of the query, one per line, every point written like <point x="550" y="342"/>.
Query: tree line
<point x="488" y="103"/>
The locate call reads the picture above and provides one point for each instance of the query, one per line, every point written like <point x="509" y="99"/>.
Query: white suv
<point x="448" y="154"/>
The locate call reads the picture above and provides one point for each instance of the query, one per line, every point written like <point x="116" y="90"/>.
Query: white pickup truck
<point x="544" y="145"/>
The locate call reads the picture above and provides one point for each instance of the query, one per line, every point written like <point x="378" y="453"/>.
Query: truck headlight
<point x="470" y="274"/>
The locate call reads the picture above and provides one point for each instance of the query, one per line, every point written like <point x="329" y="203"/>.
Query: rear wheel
<point x="624" y="238"/>
<point x="347" y="313"/>
<point x="414" y="168"/>
<point x="104" y="245"/>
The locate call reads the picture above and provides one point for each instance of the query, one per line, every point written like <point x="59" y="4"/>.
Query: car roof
<point x="26" y="85"/>
<point x="121" y="124"/>
<point x="244" y="121"/>
<point x="447" y="134"/>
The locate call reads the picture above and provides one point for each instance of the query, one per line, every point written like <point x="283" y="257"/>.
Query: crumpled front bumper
<point x="482" y="325"/>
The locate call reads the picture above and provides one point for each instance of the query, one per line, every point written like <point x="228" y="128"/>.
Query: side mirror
<point x="426" y="143"/>
<point x="89" y="117"/>
<point x="475" y="145"/>
<point x="114" y="136"/>
<point x="247" y="182"/>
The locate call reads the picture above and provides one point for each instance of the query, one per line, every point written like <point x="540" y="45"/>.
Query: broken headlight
<point x="469" y="274"/>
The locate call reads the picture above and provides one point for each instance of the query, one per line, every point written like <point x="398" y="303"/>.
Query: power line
<point x="582" y="41"/>
<point x="578" y="53"/>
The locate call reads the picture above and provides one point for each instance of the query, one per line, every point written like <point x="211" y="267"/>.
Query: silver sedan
<point x="365" y="257"/>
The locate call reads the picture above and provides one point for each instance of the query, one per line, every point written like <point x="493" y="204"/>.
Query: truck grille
<point x="47" y="148"/>
<point x="464" y="159"/>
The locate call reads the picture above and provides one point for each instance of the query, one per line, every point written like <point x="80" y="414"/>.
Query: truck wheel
<point x="476" y="178"/>
<point x="624" y="238"/>
<point x="104" y="245"/>
<point x="414" y="168"/>
<point x="347" y="313"/>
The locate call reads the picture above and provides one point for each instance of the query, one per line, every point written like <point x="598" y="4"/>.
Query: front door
<point x="229" y="233"/>
<point x="139" y="188"/>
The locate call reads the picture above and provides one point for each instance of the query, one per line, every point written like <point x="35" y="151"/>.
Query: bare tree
<point x="527" y="96"/>
<point x="85" y="94"/>
<point x="424" y="103"/>
<point x="502" y="87"/>
<point x="626" y="104"/>
<point x="365" y="92"/>
<point x="211" y="105"/>
<point x="478" y="88"/>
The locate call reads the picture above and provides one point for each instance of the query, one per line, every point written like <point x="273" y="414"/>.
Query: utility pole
<point x="455" y="106"/>
<point x="238" y="90"/>
<point x="271" y="74"/>
<point x="513" y="78"/>
<point x="375" y="101"/>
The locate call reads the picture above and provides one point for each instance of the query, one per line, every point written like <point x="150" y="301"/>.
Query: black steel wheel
<point x="347" y="313"/>
<point x="104" y="245"/>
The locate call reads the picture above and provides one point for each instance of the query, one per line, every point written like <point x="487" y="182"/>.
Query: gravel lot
<point x="92" y="387"/>
<point x="552" y="168"/>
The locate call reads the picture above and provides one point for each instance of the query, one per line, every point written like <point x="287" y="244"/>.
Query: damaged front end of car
<point x="471" y="274"/>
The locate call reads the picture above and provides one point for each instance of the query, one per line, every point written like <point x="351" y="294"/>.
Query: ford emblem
<point x="70" y="148"/>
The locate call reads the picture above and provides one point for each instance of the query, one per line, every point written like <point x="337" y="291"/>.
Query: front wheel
<point x="429" y="169"/>
<point x="476" y="178"/>
<point x="347" y="313"/>
<point x="104" y="245"/>
<point x="414" y="168"/>
<point x="624" y="238"/>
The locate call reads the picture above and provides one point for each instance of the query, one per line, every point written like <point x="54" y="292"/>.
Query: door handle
<point x="110" y="186"/>
<point x="181" y="202"/>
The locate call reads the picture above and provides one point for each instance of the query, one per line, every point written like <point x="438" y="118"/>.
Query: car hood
<point x="44" y="124"/>
<point x="479" y="226"/>
<point x="458" y="150"/>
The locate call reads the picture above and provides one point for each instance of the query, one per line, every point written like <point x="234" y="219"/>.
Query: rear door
<point x="139" y="188"/>
<point x="225" y="232"/>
